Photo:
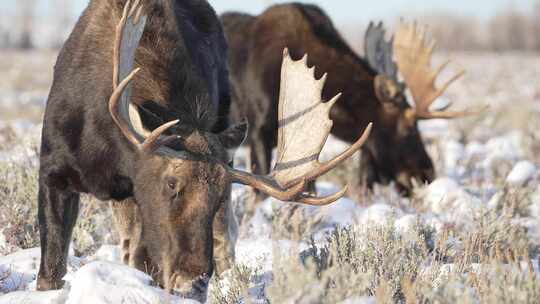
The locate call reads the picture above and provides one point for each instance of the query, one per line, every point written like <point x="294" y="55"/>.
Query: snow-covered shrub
<point x="18" y="212"/>
<point x="238" y="285"/>
<point x="353" y="262"/>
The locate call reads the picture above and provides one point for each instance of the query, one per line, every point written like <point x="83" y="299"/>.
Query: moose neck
<point x="349" y="74"/>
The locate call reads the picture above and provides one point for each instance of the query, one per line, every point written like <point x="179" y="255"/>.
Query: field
<point x="472" y="236"/>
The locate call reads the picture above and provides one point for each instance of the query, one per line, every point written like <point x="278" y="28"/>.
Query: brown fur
<point x="394" y="152"/>
<point x="165" y="206"/>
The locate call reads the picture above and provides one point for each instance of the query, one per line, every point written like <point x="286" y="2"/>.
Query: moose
<point x="124" y="65"/>
<point x="370" y="86"/>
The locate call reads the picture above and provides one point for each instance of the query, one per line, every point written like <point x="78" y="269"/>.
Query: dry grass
<point x="492" y="261"/>
<point x="491" y="264"/>
<point x="18" y="215"/>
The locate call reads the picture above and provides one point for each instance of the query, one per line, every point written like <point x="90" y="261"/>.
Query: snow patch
<point x="377" y="215"/>
<point x="445" y="198"/>
<point x="507" y="147"/>
<point x="115" y="283"/>
<point x="108" y="253"/>
<point x="34" y="297"/>
<point x="522" y="173"/>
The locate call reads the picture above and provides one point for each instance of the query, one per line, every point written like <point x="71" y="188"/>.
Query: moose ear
<point x="387" y="89"/>
<point x="233" y="137"/>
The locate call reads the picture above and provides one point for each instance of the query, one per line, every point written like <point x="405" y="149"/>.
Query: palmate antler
<point x="379" y="51"/>
<point x="303" y="118"/>
<point x="413" y="54"/>
<point x="304" y="126"/>
<point x="128" y="35"/>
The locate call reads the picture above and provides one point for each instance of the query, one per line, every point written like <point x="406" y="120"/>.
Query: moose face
<point x="178" y="196"/>
<point x="397" y="152"/>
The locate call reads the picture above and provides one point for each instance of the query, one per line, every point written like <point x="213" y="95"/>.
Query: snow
<point x="360" y="300"/>
<point x="522" y="173"/>
<point x="34" y="297"/>
<point x="475" y="149"/>
<point x="454" y="152"/>
<point x="437" y="193"/>
<point x="3" y="241"/>
<point x="115" y="283"/>
<point x="21" y="269"/>
<point x="255" y="251"/>
<point x="535" y="203"/>
<point x="108" y="253"/>
<point x="448" y="201"/>
<point x="377" y="215"/>
<point x="407" y="223"/>
<point x="506" y="147"/>
<point x="111" y="282"/>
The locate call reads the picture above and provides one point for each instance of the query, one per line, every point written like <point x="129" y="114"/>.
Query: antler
<point x="128" y="35"/>
<point x="379" y="52"/>
<point x="304" y="126"/>
<point x="413" y="54"/>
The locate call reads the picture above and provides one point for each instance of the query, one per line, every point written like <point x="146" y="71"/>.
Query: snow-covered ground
<point x="488" y="171"/>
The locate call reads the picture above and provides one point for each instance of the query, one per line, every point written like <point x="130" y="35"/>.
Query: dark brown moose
<point x="370" y="86"/>
<point x="171" y="184"/>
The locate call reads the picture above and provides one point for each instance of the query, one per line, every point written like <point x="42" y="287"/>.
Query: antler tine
<point x="300" y="109"/>
<point x="114" y="103"/>
<point x="294" y="193"/>
<point x="440" y="69"/>
<point x="128" y="34"/>
<point x="323" y="201"/>
<point x="447" y="85"/>
<point x="413" y="51"/>
<point x="267" y="185"/>
<point x="444" y="114"/>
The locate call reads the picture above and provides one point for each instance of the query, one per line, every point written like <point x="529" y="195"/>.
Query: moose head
<point x="182" y="180"/>
<point x="396" y="150"/>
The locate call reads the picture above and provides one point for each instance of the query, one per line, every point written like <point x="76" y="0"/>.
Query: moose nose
<point x="196" y="289"/>
<point x="428" y="175"/>
<point x="404" y="183"/>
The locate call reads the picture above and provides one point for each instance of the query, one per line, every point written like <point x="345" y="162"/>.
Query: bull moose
<point x="125" y="64"/>
<point x="370" y="86"/>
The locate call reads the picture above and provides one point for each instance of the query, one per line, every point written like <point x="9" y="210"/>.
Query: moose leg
<point x="260" y="158"/>
<point x="57" y="214"/>
<point x="367" y="173"/>
<point x="261" y="152"/>
<point x="129" y="227"/>
<point x="225" y="229"/>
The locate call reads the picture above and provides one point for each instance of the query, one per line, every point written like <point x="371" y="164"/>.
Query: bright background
<point x="53" y="19"/>
<point x="343" y="10"/>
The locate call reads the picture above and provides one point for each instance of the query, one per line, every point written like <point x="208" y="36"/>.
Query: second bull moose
<point x="370" y="87"/>
<point x="124" y="64"/>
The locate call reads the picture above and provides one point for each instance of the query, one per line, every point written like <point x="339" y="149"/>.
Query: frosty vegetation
<point x="472" y="236"/>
